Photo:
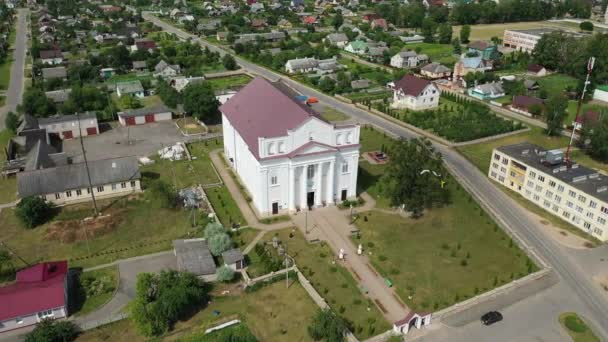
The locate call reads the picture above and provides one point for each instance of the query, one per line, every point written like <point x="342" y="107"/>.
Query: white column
<point x="291" y="188"/>
<point x="330" y="183"/>
<point x="319" y="185"/>
<point x="303" y="188"/>
<point x="353" y="175"/>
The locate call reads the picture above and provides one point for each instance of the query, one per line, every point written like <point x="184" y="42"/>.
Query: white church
<point x="285" y="154"/>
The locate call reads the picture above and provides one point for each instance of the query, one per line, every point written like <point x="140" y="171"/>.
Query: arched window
<point x="272" y="148"/>
<point x="349" y="137"/>
<point x="281" y="147"/>
<point x="339" y="139"/>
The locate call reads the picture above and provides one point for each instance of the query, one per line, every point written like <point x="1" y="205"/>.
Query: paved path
<point x="578" y="282"/>
<point x="332" y="225"/>
<point x="14" y="93"/>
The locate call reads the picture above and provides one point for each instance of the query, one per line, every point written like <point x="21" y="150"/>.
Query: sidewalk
<point x="332" y="225"/>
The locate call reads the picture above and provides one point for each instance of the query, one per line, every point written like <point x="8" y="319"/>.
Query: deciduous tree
<point x="465" y="32"/>
<point x="11" y="121"/>
<point x="555" y="113"/>
<point x="33" y="211"/>
<point x="328" y="326"/>
<point x="199" y="100"/>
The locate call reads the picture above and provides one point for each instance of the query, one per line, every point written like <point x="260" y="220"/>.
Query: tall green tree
<point x="445" y="33"/>
<point x="328" y="326"/>
<point x="337" y="20"/>
<point x="555" y="113"/>
<point x="33" y="211"/>
<point x="429" y="27"/>
<point x="199" y="100"/>
<point x="457" y="46"/>
<point x="161" y="299"/>
<point x="405" y="183"/>
<point x="11" y="121"/>
<point x="229" y="62"/>
<point x="465" y="33"/>
<point x="37" y="104"/>
<point x="167" y="93"/>
<point x="598" y="139"/>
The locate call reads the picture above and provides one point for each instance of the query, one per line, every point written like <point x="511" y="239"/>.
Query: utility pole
<point x="590" y="65"/>
<point x="86" y="164"/>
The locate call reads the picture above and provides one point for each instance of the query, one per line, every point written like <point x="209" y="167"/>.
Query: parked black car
<point x="491" y="317"/>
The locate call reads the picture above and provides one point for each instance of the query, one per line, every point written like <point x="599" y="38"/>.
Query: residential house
<point x="74" y="183"/>
<point x="233" y="258"/>
<point x="601" y="93"/>
<point x="284" y="24"/>
<point x="376" y="51"/>
<point x="435" y="71"/>
<point x="51" y="57"/>
<point x="41" y="291"/>
<point x="587" y="119"/>
<point x="130" y="88"/>
<point x="531" y="85"/>
<point x="358" y="47"/>
<point x="309" y="20"/>
<point x="145" y="115"/>
<point x="337" y="39"/>
<point x="368" y="18"/>
<point x="256" y="7"/>
<point x="359" y="84"/>
<point x="267" y="37"/>
<point x="70" y="126"/>
<point x="487" y="91"/>
<point x="412" y="39"/>
<point x="536" y="70"/>
<point x="408" y="59"/>
<point x="143" y="45"/>
<point x="181" y="82"/>
<point x="487" y="50"/>
<point x="469" y="65"/>
<point x="139" y="66"/>
<point x="258" y="24"/>
<point x="58" y="96"/>
<point x="304" y="65"/>
<point x="411" y="92"/>
<point x="54" y="73"/>
<point x="523" y="104"/>
<point x="221" y="36"/>
<point x="380" y="23"/>
<point x="165" y="70"/>
<point x="107" y="72"/>
<point x="299" y="161"/>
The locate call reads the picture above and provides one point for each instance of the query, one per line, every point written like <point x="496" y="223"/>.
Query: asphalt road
<point x="576" y="283"/>
<point x="14" y="93"/>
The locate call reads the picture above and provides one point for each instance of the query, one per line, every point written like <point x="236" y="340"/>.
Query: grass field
<point x="87" y="304"/>
<point x="186" y="173"/>
<point x="229" y="82"/>
<point x="480" y="155"/>
<point x="556" y="83"/>
<point x="273" y="313"/>
<point x="5" y="72"/>
<point x="487" y="31"/>
<point x="448" y="255"/>
<point x="334" y="282"/>
<point x="225" y="207"/>
<point x="577" y="328"/>
<point x="135" y="226"/>
<point x="441" y="53"/>
<point x="8" y="186"/>
<point x="573" y="104"/>
<point x="373" y="140"/>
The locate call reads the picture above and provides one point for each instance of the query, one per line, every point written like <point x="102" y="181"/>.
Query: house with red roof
<point x="411" y="92"/>
<point x="589" y="119"/>
<point x="524" y="104"/>
<point x="368" y="18"/>
<point x="39" y="292"/>
<point x="144" y="44"/>
<point x="286" y="155"/>
<point x="309" y="20"/>
<point x="381" y="23"/>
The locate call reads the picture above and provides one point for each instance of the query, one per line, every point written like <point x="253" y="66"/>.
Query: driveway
<point x="119" y="141"/>
<point x="129" y="269"/>
<point x="14" y="93"/>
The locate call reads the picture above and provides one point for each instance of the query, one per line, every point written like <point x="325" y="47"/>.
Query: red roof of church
<point x="38" y="288"/>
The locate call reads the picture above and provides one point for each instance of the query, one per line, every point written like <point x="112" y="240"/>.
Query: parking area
<point x="118" y="141"/>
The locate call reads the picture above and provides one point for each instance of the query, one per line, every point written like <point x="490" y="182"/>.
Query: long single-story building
<point x="145" y="115"/>
<point x="69" y="183"/>
<point x="68" y="126"/>
<point x="39" y="292"/>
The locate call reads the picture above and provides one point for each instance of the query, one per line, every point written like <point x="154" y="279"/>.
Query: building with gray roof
<point x="572" y="192"/>
<point x="193" y="256"/>
<point x="65" y="184"/>
<point x="56" y="72"/>
<point x="234" y="259"/>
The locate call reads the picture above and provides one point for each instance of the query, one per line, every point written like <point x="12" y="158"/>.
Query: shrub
<point x="575" y="324"/>
<point x="51" y="330"/>
<point x="219" y="243"/>
<point x="213" y="228"/>
<point x="225" y="274"/>
<point x="33" y="211"/>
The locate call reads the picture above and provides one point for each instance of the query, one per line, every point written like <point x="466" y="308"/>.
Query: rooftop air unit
<point x="555" y="157"/>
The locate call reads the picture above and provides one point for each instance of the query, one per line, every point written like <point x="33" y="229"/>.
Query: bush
<point x="327" y="326"/>
<point x="165" y="193"/>
<point x="49" y="330"/>
<point x="213" y="228"/>
<point x="225" y="274"/>
<point x="575" y="324"/>
<point x="96" y="286"/>
<point x="219" y="243"/>
<point x="11" y="121"/>
<point x="33" y="211"/>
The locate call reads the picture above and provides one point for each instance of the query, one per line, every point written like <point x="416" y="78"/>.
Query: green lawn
<point x="487" y="31"/>
<point x="186" y="173"/>
<point x="334" y="282"/>
<point x="5" y="71"/>
<point x="556" y="83"/>
<point x="243" y="237"/>
<point x="333" y="115"/>
<point x="129" y="77"/>
<point x="448" y="255"/>
<point x="109" y="277"/>
<point x="151" y="101"/>
<point x="8" y="186"/>
<point x="229" y="82"/>
<point x="577" y="328"/>
<point x="134" y="227"/>
<point x="373" y="140"/>
<point x="480" y="155"/>
<point x="442" y="53"/>
<point x="273" y="313"/>
<point x="225" y="207"/>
